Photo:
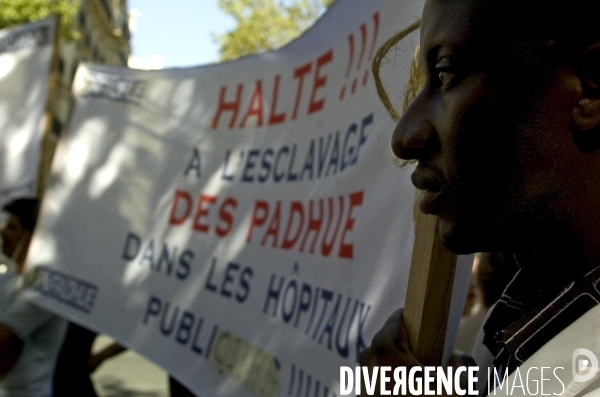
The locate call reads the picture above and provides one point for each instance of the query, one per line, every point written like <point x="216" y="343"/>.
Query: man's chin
<point x="456" y="240"/>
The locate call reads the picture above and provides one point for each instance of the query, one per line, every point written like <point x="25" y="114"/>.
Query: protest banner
<point x="26" y="54"/>
<point x="241" y="224"/>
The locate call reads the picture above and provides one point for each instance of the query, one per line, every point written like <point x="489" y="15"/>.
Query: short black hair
<point x="521" y="46"/>
<point x="537" y="35"/>
<point x="25" y="209"/>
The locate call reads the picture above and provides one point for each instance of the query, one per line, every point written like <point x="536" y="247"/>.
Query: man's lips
<point x="427" y="179"/>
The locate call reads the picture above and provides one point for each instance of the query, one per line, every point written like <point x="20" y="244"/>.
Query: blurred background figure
<point x="30" y="337"/>
<point x="76" y="362"/>
<point x="72" y="374"/>
<point x="18" y="228"/>
<point x="490" y="275"/>
<point x="179" y="390"/>
<point x="473" y="312"/>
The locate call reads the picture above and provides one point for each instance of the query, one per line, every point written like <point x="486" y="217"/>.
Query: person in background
<point x="178" y="390"/>
<point x="76" y="362"/>
<point x="492" y="272"/>
<point x="473" y="312"/>
<point x="30" y="337"/>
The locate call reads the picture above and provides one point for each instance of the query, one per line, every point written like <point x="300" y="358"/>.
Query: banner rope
<point x="428" y="251"/>
<point x="415" y="82"/>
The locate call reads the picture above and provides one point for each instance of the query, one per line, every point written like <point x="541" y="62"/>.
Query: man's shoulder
<point x="557" y="365"/>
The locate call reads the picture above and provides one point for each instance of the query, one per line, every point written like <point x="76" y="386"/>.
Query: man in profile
<point x="506" y="133"/>
<point x="30" y="337"/>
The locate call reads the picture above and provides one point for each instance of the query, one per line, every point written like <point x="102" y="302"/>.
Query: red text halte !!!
<point x="232" y="106"/>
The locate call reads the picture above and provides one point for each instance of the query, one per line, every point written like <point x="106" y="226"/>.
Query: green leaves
<point x="264" y="25"/>
<point x="15" y="12"/>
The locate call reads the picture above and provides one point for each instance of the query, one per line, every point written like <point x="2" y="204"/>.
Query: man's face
<point x="12" y="234"/>
<point x="489" y="169"/>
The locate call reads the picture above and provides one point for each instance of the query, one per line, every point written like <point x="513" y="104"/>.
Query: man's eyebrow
<point x="433" y="53"/>
<point x="445" y="48"/>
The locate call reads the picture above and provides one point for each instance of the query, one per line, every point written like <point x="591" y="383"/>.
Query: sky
<point x="180" y="30"/>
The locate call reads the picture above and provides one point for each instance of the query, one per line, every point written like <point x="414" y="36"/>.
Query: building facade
<point x="104" y="38"/>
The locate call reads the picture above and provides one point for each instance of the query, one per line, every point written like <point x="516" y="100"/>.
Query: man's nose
<point x="414" y="137"/>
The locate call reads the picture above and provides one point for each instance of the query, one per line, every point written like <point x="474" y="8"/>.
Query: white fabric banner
<point x="25" y="63"/>
<point x="241" y="224"/>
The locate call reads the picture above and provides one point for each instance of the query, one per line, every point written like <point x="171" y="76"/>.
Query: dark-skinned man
<point x="506" y="133"/>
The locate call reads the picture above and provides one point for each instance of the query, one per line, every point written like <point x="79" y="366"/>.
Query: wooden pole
<point x="48" y="145"/>
<point x="429" y="291"/>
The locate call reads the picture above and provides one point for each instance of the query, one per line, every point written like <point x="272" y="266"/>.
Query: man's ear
<point x="587" y="112"/>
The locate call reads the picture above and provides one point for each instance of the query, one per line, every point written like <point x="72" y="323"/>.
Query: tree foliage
<point x="263" y="25"/>
<point x="15" y="12"/>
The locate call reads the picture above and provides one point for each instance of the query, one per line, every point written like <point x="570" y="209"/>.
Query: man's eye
<point x="444" y="70"/>
<point x="445" y="78"/>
